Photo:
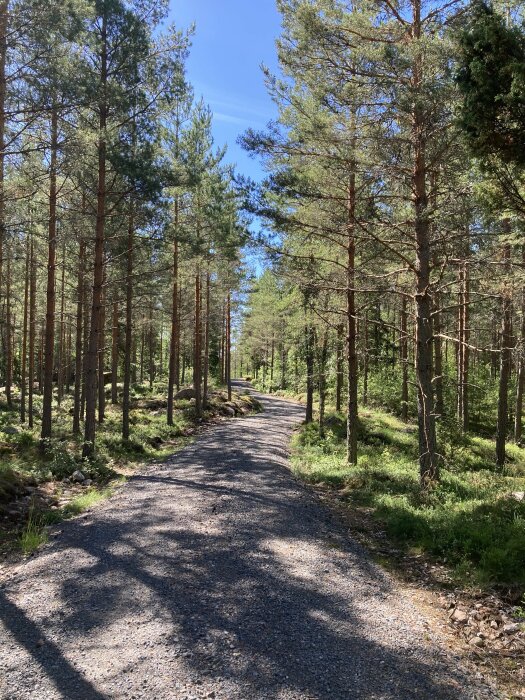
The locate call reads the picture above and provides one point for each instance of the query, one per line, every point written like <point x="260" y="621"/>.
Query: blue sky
<point x="232" y="39"/>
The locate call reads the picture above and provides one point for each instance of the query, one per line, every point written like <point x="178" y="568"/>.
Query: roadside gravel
<point x="217" y="575"/>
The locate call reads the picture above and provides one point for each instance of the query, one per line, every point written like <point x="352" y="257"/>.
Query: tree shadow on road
<point x="255" y="584"/>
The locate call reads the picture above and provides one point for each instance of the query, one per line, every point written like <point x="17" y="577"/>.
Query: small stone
<point x="459" y="616"/>
<point x="88" y="482"/>
<point x="511" y="627"/>
<point x="518" y="495"/>
<point x="10" y="430"/>
<point x="40" y="643"/>
<point x="477" y="642"/>
<point x="78" y="476"/>
<point x="494" y="625"/>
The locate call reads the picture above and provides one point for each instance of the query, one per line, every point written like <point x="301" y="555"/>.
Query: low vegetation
<point x="473" y="520"/>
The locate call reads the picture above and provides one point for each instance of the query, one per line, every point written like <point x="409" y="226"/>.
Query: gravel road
<point x="217" y="575"/>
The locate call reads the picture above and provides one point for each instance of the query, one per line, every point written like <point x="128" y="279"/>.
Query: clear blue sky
<point x="232" y="39"/>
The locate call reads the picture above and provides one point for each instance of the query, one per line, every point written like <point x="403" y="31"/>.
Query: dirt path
<point x="217" y="575"/>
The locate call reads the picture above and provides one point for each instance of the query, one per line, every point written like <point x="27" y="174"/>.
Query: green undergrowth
<point x="470" y="520"/>
<point x="34" y="533"/>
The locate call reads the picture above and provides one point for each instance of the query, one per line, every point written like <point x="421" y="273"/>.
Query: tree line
<point x="394" y="203"/>
<point x="120" y="223"/>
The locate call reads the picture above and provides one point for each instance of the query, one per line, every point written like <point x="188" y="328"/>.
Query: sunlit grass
<point x="470" y="519"/>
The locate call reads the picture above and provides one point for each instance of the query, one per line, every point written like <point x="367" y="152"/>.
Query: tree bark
<point x="463" y="353"/>
<point x="32" y="331"/>
<point x="115" y="336"/>
<point x="229" y="345"/>
<point x="520" y="381"/>
<point x="98" y="267"/>
<point x="128" y="342"/>
<point x="61" y="333"/>
<point x="428" y="457"/>
<point x="309" y="354"/>
<point x="8" y="330"/>
<point x="49" y="345"/>
<point x="175" y="330"/>
<point x="351" y="347"/>
<point x="339" y="372"/>
<point x="23" y="372"/>
<point x="101" y="356"/>
<point x="505" y="362"/>
<point x="197" y="360"/>
<point x="78" y="337"/>
<point x="403" y="351"/>
<point x="323" y="356"/>
<point x="4" y="20"/>
<point x="206" y="341"/>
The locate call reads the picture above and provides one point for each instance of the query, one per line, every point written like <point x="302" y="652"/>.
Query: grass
<point x="34" y="534"/>
<point x="469" y="520"/>
<point x="85" y="501"/>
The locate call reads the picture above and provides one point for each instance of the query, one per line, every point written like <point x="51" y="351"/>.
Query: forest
<point x="387" y="239"/>
<point x="393" y="305"/>
<point x="120" y="231"/>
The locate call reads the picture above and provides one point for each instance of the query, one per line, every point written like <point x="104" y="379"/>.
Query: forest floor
<point x="217" y="574"/>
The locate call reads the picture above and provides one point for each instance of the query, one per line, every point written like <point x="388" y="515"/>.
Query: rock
<point x="512" y="627"/>
<point x="518" y="495"/>
<point x="88" y="482"/>
<point x="78" y="476"/>
<point x="185" y="394"/>
<point x="228" y="411"/>
<point x="477" y="642"/>
<point x="156" y="441"/>
<point x="494" y="625"/>
<point x="10" y="430"/>
<point x="459" y="616"/>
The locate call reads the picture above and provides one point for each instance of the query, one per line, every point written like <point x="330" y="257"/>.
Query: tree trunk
<point x="309" y="355"/>
<point x="505" y="362"/>
<point x="438" y="360"/>
<point x="428" y="457"/>
<point x="115" y="335"/>
<point x="8" y="330"/>
<point x="223" y="344"/>
<point x="229" y="345"/>
<point x="403" y="351"/>
<point x="322" y="380"/>
<point x="197" y="378"/>
<point x="78" y="337"/>
<point x="206" y="341"/>
<point x="61" y="333"/>
<point x="463" y="353"/>
<point x="339" y="372"/>
<point x="50" y="294"/>
<point x="173" y="377"/>
<point x="4" y="19"/>
<point x="351" y="349"/>
<point x="23" y="372"/>
<point x="85" y="342"/>
<point x="32" y="331"/>
<point x="151" y="348"/>
<point x="101" y="356"/>
<point x="128" y="349"/>
<point x="98" y="268"/>
<point x="366" y="360"/>
<point x="520" y="381"/>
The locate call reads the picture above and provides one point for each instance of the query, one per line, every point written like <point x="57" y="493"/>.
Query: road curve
<point x="217" y="575"/>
